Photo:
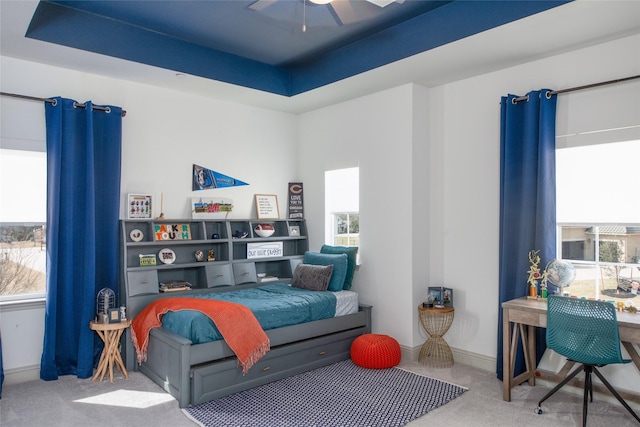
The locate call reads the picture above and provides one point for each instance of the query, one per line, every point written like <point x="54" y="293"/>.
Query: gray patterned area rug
<point x="342" y="394"/>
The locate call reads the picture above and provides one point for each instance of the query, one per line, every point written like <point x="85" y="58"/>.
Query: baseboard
<point x="479" y="361"/>
<point x="21" y="375"/>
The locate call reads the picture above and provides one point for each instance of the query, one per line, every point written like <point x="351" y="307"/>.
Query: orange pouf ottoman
<point x="375" y="351"/>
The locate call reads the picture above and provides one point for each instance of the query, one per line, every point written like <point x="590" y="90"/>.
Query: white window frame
<point x="334" y="226"/>
<point x="5" y="250"/>
<point x="596" y="264"/>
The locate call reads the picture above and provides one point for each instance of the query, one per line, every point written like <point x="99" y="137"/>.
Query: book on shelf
<point x="175" y="286"/>
<point x="269" y="279"/>
<point x="174" y="289"/>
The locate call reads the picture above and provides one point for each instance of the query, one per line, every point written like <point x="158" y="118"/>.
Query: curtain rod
<point x="53" y="101"/>
<point x="557" y="92"/>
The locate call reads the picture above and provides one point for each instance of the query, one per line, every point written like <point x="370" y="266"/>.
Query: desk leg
<point x="633" y="354"/>
<point x="509" y="348"/>
<point x="531" y="360"/>
<point x="507" y="367"/>
<point x="528" y="334"/>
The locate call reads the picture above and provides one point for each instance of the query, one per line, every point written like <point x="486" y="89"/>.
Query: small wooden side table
<point x="436" y="322"/>
<point x="110" y="334"/>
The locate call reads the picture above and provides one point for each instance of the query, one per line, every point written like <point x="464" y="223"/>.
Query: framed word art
<point x="267" y="206"/>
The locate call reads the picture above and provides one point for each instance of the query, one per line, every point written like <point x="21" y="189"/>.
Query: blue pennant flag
<point x="205" y="179"/>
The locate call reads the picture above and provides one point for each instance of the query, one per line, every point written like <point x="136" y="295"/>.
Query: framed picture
<point x="447" y="297"/>
<point x="294" y="230"/>
<point x="442" y="296"/>
<point x="267" y="206"/>
<point x="139" y="206"/>
<point x="114" y="315"/>
<point x="436" y="295"/>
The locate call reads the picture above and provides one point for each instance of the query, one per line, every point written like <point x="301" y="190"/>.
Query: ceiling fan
<point x="345" y="12"/>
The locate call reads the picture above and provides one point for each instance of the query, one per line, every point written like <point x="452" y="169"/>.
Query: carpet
<point x="342" y="394"/>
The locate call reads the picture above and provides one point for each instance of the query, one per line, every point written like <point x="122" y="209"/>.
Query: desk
<point x="527" y="314"/>
<point x="110" y="334"/>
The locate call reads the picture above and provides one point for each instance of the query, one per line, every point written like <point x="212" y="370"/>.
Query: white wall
<point x="22" y="331"/>
<point x="166" y="132"/>
<point x="376" y="133"/>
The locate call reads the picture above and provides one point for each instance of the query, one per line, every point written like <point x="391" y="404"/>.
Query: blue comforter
<point x="275" y="305"/>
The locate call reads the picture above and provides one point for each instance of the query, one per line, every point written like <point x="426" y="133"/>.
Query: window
<point x="22" y="224"/>
<point x="598" y="214"/>
<point x="342" y="217"/>
<point x="23" y="196"/>
<point x="346" y="226"/>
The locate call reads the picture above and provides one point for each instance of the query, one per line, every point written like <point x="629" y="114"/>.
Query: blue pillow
<point x="339" y="262"/>
<point x="352" y="253"/>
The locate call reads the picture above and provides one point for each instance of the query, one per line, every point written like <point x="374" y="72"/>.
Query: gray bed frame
<point x="197" y="373"/>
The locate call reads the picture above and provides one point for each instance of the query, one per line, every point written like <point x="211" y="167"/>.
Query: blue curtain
<point x="527" y="199"/>
<point x="83" y="197"/>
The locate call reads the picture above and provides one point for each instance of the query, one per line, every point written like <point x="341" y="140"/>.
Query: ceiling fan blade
<point x="343" y="12"/>
<point x="261" y="4"/>
<point x="352" y="11"/>
<point x="383" y="3"/>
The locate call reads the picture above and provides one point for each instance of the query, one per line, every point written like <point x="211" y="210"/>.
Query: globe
<point x="560" y="273"/>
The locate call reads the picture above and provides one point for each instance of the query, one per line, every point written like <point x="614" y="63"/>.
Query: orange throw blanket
<point x="236" y="323"/>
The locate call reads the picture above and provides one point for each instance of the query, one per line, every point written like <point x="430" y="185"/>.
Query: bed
<point x="194" y="369"/>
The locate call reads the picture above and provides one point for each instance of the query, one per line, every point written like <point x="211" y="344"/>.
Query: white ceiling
<point x="567" y="27"/>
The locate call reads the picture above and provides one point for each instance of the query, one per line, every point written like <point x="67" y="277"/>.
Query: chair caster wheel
<point x="538" y="410"/>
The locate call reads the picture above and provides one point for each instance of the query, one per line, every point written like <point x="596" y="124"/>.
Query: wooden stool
<point x="110" y="334"/>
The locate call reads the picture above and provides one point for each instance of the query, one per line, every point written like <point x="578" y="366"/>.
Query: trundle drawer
<point x="219" y="379"/>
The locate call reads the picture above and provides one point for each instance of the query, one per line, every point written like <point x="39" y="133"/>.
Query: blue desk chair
<point x="586" y="332"/>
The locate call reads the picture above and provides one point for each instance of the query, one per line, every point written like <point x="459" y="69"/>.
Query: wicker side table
<point x="436" y="322"/>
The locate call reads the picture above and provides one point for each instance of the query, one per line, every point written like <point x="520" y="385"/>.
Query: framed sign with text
<point x="171" y="232"/>
<point x="267" y="206"/>
<point x="296" y="201"/>
<point x="264" y="250"/>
